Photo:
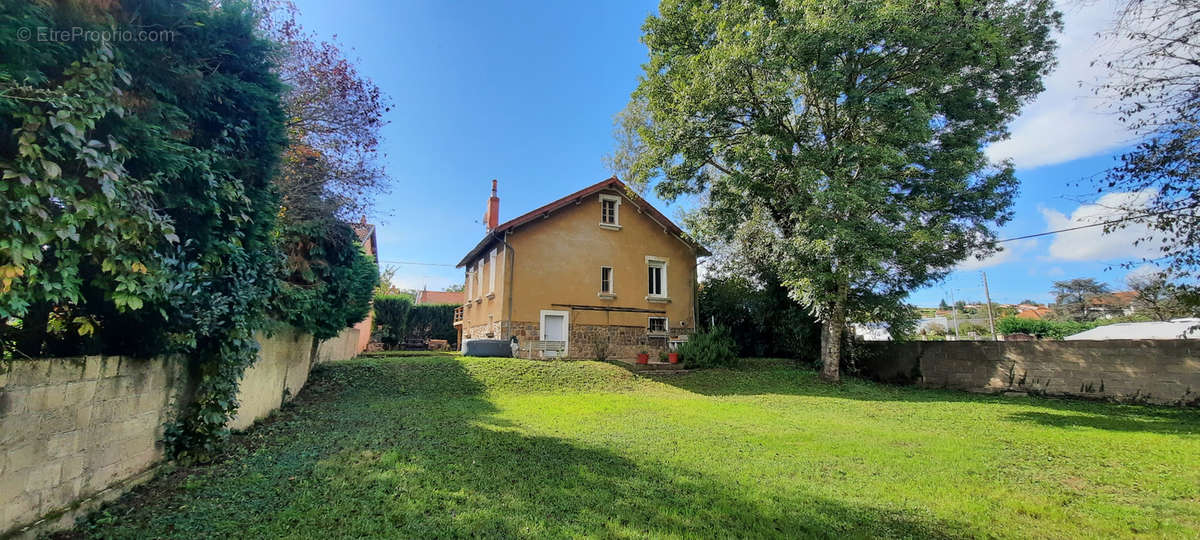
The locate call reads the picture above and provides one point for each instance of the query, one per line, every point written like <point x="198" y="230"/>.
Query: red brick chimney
<point x="491" y="218"/>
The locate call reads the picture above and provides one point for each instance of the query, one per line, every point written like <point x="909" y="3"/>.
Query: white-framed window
<point x="492" y="273"/>
<point x="656" y="277"/>
<point x="606" y="280"/>
<point x="657" y="325"/>
<point x="479" y="279"/>
<point x="610" y="211"/>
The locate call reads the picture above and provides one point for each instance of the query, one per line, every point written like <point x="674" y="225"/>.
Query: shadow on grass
<point x="413" y="449"/>
<point x="783" y="377"/>
<point x="1169" y="424"/>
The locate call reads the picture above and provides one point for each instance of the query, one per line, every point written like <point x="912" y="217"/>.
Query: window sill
<point x="659" y="299"/>
<point x="607" y="296"/>
<point x="491" y="295"/>
<point x="478" y="300"/>
<point x="610" y="226"/>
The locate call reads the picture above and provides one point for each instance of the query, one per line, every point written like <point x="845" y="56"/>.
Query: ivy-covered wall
<point x="138" y="199"/>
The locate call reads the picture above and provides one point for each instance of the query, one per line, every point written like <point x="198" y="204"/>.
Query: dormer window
<point x="610" y="212"/>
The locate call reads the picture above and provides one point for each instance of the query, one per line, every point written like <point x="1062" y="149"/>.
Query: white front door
<point x="554" y="328"/>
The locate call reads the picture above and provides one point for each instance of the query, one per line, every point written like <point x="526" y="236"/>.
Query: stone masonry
<point x="623" y="341"/>
<point x="75" y="432"/>
<point x="1152" y="371"/>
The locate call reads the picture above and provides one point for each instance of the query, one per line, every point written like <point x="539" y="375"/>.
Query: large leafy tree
<point x="849" y="133"/>
<point x="334" y="117"/>
<point x="1072" y="297"/>
<point x="1155" y="88"/>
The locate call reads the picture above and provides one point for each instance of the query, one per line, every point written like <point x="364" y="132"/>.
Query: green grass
<point x="452" y="446"/>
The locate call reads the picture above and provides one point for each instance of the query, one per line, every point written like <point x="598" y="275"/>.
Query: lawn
<point x="446" y="446"/>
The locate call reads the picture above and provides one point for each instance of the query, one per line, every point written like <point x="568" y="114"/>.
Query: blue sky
<point x="525" y="94"/>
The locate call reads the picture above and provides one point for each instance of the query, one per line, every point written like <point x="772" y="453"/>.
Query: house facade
<point x="597" y="268"/>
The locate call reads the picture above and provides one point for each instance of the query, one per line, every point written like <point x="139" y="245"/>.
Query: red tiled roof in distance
<point x="439" y="297"/>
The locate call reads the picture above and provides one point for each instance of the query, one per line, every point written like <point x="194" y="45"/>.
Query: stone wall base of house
<point x="484" y="331"/>
<point x="589" y="341"/>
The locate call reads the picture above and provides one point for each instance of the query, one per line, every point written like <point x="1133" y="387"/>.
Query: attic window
<point x="610" y="209"/>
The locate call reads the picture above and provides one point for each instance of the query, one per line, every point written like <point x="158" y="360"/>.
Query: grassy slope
<point x="499" y="447"/>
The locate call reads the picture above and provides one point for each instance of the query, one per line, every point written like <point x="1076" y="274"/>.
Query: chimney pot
<point x="491" y="217"/>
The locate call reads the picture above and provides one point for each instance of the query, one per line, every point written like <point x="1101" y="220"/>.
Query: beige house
<point x="599" y="266"/>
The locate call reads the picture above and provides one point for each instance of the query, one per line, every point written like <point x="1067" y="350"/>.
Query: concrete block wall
<point x="344" y="346"/>
<point x="281" y="370"/>
<point x="1152" y="371"/>
<point x="71" y="428"/>
<point x="75" y="432"/>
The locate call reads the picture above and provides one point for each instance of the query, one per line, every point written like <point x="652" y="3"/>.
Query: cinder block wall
<point x="344" y="346"/>
<point x="70" y="428"/>
<point x="1152" y="371"/>
<point x="77" y="431"/>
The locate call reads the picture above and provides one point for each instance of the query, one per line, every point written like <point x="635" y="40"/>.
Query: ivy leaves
<point x="68" y="198"/>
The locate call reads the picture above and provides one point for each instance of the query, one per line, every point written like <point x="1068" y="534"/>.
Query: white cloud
<point x="1093" y="244"/>
<point x="1010" y="252"/>
<point x="1067" y="121"/>
<point x="1145" y="270"/>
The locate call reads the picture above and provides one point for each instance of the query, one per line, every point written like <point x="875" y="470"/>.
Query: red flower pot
<point x="643" y="358"/>
<point x="673" y="357"/>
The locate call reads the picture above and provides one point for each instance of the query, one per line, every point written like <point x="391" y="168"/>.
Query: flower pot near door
<point x="643" y="358"/>
<point x="673" y="357"/>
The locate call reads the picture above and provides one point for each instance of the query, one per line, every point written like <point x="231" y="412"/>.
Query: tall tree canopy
<point x="1072" y="297"/>
<point x="1155" y="86"/>
<point x="334" y="116"/>
<point x="847" y="133"/>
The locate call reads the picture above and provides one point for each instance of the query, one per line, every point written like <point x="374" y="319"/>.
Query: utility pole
<point x="988" y="296"/>
<point x="954" y="306"/>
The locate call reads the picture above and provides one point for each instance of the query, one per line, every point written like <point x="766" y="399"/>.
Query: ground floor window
<point x="658" y="325"/>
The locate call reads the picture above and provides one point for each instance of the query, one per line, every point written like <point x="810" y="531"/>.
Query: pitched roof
<point x="611" y="183"/>
<point x="1117" y="299"/>
<point x="1035" y="313"/>
<point x="439" y="297"/>
<point x="363" y="231"/>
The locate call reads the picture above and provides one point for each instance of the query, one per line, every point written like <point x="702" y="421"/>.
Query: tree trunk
<point x="831" y="341"/>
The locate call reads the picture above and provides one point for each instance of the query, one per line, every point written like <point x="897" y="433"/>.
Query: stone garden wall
<point x="75" y="432"/>
<point x="1152" y="371"/>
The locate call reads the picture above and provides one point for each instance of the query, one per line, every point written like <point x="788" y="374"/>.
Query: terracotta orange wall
<point x="364" y="331"/>
<point x="558" y="261"/>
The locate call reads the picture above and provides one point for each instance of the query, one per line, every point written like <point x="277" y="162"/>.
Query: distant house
<point x="1172" y="329"/>
<point x="1116" y="304"/>
<point x="1033" y="312"/>
<point x="366" y="236"/>
<point x="600" y="267"/>
<point x="439" y="297"/>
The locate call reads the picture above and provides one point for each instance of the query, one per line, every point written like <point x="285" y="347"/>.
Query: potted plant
<point x="643" y="357"/>
<point x="662" y="357"/>
<point x="673" y="357"/>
